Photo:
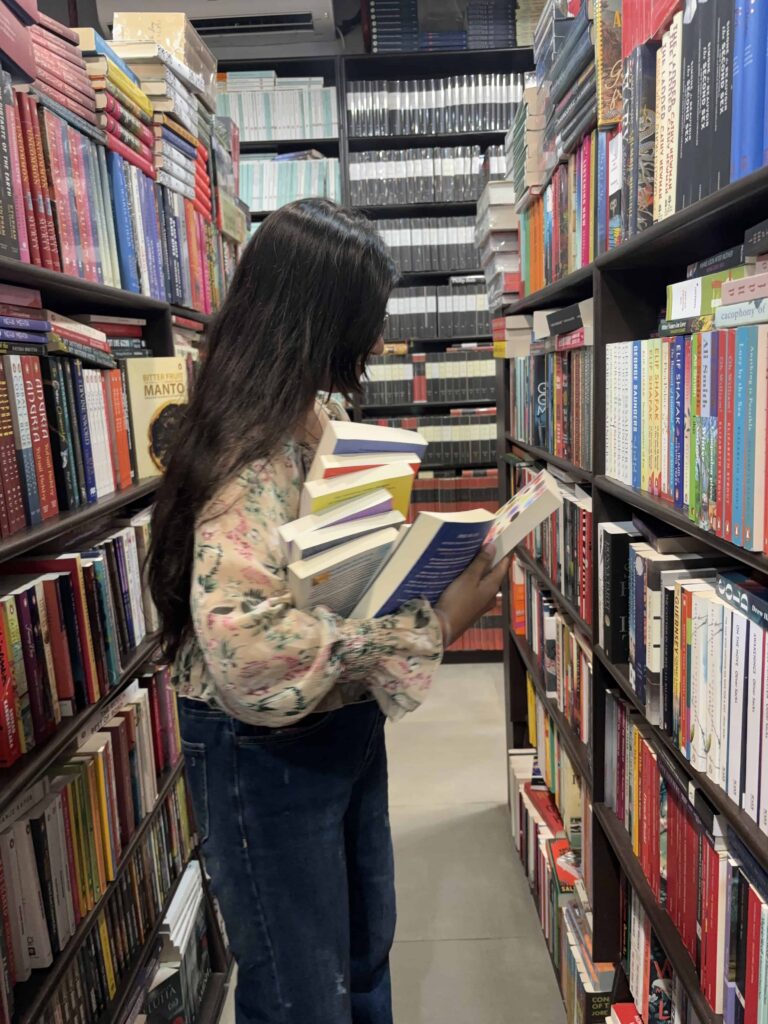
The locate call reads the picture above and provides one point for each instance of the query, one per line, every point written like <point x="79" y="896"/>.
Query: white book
<point x="60" y="922"/>
<point x="715" y="686"/>
<point x="756" y="658"/>
<point x="318" y="495"/>
<point x="66" y="880"/>
<point x="343" y="437"/>
<point x="9" y="855"/>
<point x="338" y="577"/>
<point x="35" y="928"/>
<point x="739" y="641"/>
<point x="313" y="542"/>
<point x="698" y="679"/>
<point x="725" y="700"/>
<point x="371" y="503"/>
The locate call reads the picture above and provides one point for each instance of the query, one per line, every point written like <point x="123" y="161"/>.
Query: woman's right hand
<point x="471" y="595"/>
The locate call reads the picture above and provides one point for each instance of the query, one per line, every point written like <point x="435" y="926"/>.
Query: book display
<point x="131" y="221"/>
<point x="635" y="618"/>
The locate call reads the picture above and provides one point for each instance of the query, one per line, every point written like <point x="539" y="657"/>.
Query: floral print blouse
<point x="257" y="656"/>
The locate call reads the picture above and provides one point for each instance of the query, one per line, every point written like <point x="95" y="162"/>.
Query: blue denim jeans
<point x="294" y="828"/>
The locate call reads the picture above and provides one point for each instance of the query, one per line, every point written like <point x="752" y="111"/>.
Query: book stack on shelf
<point x="461" y="373"/>
<point x="397" y="26"/>
<point x="268" y="181"/>
<point x="463" y="437"/>
<point x="496" y="238"/>
<point x="457" y="309"/>
<point x="267" y="107"/>
<point x="420" y="244"/>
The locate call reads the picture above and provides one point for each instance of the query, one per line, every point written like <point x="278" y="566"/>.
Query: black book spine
<point x="722" y="106"/>
<point x="687" y="155"/>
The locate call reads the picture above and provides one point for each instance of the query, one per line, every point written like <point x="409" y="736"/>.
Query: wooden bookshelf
<point x="560" y="599"/>
<point x="477" y="403"/>
<point x="542" y="455"/>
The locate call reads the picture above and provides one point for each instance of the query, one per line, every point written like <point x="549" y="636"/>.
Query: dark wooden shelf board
<point x="192" y="314"/>
<point x="451" y="208"/>
<point x="457" y="466"/>
<point x="667" y="513"/>
<point x="433" y="64"/>
<point x="554" y="460"/>
<point x="660" y="920"/>
<point x="32" y="766"/>
<point x="739" y="820"/>
<point x="478" y="403"/>
<point x="68" y="293"/>
<point x="416" y="277"/>
<point x="483" y="138"/>
<point x="576" y="750"/>
<point x="326" y="146"/>
<point x="66" y="522"/>
<point x="213" y="998"/>
<point x="460" y="339"/>
<point x="560" y="599"/>
<point x="33" y="995"/>
<point x="469" y="657"/>
<point x="571" y="288"/>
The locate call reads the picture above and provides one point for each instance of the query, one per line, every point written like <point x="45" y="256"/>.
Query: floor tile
<point x="486" y="981"/>
<point x="456" y="876"/>
<point x="462" y="693"/>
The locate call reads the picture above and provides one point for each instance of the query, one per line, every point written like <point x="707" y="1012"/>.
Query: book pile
<point x="336" y="568"/>
<point x="693" y="433"/>
<point x="267" y="107"/>
<point x="176" y="989"/>
<point x="496" y="238"/>
<point x="524" y="147"/>
<point x="392" y="177"/>
<point x="390" y="26"/>
<point x="463" y="438"/>
<point x="458" y="309"/>
<point x="430" y="243"/>
<point x="527" y="18"/>
<point x="464" y="373"/>
<point x="551" y="385"/>
<point x="61" y="856"/>
<point x="491" y="24"/>
<point x="269" y="181"/>
<point x="61" y="72"/>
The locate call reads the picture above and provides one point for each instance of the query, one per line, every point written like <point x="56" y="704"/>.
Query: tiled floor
<point x="469" y="948"/>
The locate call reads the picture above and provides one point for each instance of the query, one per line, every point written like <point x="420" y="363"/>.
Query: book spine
<point x="738" y="144"/>
<point x="78" y="385"/>
<point x="41" y="231"/>
<point x="49" y="225"/>
<point x="38" y="428"/>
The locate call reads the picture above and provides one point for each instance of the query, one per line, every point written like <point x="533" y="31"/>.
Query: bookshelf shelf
<point x="415" y="277"/>
<point x="477" y="403"/>
<point x="577" y="751"/>
<point x="739" y="820"/>
<point x="33" y="995"/>
<point x="326" y="146"/>
<point x="455" y="208"/>
<point x="66" y="522"/>
<point x="571" y="288"/>
<point x="425" y="64"/>
<point x="668" y="514"/>
<point x="533" y="566"/>
<point x="32" y="766"/>
<point x="358" y="143"/>
<point x="443" y="467"/>
<point x="192" y="314"/>
<point x="462" y="339"/>
<point x="554" y="460"/>
<point x="661" y="922"/>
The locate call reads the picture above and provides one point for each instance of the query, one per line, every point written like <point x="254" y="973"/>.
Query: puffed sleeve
<point x="267" y="660"/>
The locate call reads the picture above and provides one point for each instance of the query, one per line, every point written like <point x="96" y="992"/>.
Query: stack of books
<point x="464" y="437"/>
<point x="393" y="177"/>
<point x="390" y="26"/>
<point x="465" y="373"/>
<point x="454" y="310"/>
<point x="430" y="243"/>
<point x="267" y="107"/>
<point x="496" y="237"/>
<point x="269" y="181"/>
<point x="524" y="147"/>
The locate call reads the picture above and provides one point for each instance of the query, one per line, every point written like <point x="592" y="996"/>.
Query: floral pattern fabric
<point x="257" y="656"/>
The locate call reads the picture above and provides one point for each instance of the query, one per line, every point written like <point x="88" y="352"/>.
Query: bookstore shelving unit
<point x="69" y="294"/>
<point x="628" y="285"/>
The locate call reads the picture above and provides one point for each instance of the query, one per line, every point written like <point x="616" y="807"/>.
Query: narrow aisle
<point x="469" y="946"/>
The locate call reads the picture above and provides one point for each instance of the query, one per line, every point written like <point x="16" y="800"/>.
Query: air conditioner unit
<point x="235" y="28"/>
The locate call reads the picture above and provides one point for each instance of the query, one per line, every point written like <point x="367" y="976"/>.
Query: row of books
<point x="125" y="918"/>
<point x="269" y="181"/>
<point x="551" y="402"/>
<point x="81" y="192"/>
<point x="63" y="851"/>
<point x="698" y="869"/>
<point x="430" y="243"/>
<point x="562" y="653"/>
<point x="69" y="623"/>
<point x="463" y="437"/>
<point x="497" y="240"/>
<point x="389" y="177"/>
<point x="449" y="491"/>
<point x="432" y="106"/>
<point x="394" y="26"/>
<point x="183" y="964"/>
<point x="465" y="374"/>
<point x="562" y="545"/>
<point x="458" y="309"/>
<point x="266" y="107"/>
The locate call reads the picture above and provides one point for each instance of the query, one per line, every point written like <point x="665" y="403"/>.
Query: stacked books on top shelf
<point x="551" y="383"/>
<point x="432" y="106"/>
<point x="524" y="147"/>
<point x="496" y="238"/>
<point x="269" y="181"/>
<point x="390" y="177"/>
<point x="267" y="107"/>
<point x="184" y="963"/>
<point x="399" y="26"/>
<point x="83" y="191"/>
<point x="419" y="244"/>
<point x="62" y="843"/>
<point x="686" y="411"/>
<point x="462" y="373"/>
<point x="69" y="624"/>
<point x="366" y="472"/>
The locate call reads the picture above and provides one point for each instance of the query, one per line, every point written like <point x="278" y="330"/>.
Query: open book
<point x="438" y="547"/>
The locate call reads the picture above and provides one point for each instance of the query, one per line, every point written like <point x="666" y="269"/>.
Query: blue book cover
<point x="748" y="538"/>
<point x="753" y="85"/>
<point x="7" y="334"/>
<point x="154" y="236"/>
<point x="739" y="35"/>
<point x="178" y="143"/>
<point x="637" y="412"/>
<point x="601" y="206"/>
<point x="739" y="425"/>
<point x="84" y="430"/>
<point x="103" y="49"/>
<point x="24" y="323"/>
<point x="679" y="420"/>
<point x="126" y="249"/>
<point x="23" y="439"/>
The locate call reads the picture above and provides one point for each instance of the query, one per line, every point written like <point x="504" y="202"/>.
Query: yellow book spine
<point x="109" y="967"/>
<point x="80" y="894"/>
<point x="531" y="710"/>
<point x="131" y="90"/>
<point x="636" y="741"/>
<point x="400" y="490"/>
<point x="645" y="398"/>
<point x="105" y="836"/>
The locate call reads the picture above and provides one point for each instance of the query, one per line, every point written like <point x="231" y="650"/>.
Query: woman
<point x="282" y="711"/>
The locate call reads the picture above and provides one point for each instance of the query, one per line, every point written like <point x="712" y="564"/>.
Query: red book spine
<point x="13" y="506"/>
<point x="121" y="429"/>
<point x="65" y="683"/>
<point x="64" y="76"/>
<point x="10" y="735"/>
<point x="41" y="444"/>
<point x="82" y="339"/>
<point x="130" y="155"/>
<point x="6" y="926"/>
<point x="50" y="24"/>
<point x="730" y="377"/>
<point x="157" y="734"/>
<point x="44" y="188"/>
<point x="17" y="188"/>
<point x="126" y="136"/>
<point x="59" y="177"/>
<point x="754" y="905"/>
<point x="58" y="96"/>
<point x="116" y="110"/>
<point x="26" y="109"/>
<point x="118" y="330"/>
<point x="26" y="189"/>
<point x="53" y="44"/>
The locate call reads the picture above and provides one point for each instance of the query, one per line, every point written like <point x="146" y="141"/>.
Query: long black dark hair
<point x="305" y="308"/>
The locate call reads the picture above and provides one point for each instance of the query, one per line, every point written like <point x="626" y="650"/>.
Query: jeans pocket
<point x="261" y="735"/>
<point x="197" y="778"/>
